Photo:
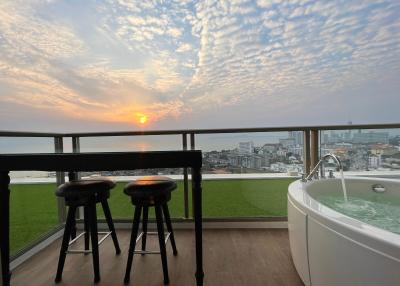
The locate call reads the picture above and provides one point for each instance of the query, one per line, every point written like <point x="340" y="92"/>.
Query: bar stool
<point x="150" y="191"/>
<point x="86" y="193"/>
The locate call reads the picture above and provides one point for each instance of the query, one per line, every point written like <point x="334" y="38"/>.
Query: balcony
<point x="244" y="201"/>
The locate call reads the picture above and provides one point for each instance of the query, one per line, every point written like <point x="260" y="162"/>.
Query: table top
<point x="100" y="161"/>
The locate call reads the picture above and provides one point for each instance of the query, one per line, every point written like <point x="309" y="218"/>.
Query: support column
<point x="197" y="209"/>
<point x="185" y="180"/>
<point x="76" y="148"/>
<point x="192" y="142"/>
<point x="306" y="151"/>
<point x="314" y="148"/>
<point x="192" y="147"/>
<point x="60" y="179"/>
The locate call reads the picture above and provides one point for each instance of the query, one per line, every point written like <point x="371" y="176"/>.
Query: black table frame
<point x="110" y="161"/>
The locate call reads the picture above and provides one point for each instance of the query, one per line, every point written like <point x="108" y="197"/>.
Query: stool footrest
<point x="146" y="252"/>
<point x="139" y="237"/>
<point x="76" y="239"/>
<point x="77" y="251"/>
<point x="105" y="233"/>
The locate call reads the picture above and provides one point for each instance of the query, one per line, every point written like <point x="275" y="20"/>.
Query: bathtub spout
<point x="314" y="172"/>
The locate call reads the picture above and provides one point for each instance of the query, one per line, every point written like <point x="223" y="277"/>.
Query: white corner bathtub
<point x="330" y="248"/>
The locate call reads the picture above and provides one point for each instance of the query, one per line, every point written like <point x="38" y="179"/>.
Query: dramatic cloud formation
<point x="120" y="60"/>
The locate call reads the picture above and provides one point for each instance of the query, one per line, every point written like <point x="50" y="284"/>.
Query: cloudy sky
<point x="126" y="65"/>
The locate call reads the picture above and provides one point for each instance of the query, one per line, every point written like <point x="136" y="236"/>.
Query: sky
<point x="111" y="65"/>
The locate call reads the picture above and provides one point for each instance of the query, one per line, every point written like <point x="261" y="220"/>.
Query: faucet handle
<point x="303" y="177"/>
<point x="331" y="176"/>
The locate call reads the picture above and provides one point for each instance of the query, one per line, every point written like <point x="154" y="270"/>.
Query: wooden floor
<point x="231" y="257"/>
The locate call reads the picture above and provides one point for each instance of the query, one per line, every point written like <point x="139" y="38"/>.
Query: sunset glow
<point x="164" y="64"/>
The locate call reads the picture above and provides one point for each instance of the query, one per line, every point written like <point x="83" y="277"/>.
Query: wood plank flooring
<point x="256" y="257"/>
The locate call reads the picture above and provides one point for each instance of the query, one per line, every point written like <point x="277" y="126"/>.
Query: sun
<point x="142" y="119"/>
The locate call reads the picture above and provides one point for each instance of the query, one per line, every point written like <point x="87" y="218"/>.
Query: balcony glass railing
<point x="33" y="214"/>
<point x="246" y="172"/>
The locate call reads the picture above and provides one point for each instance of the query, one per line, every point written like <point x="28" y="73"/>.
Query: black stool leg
<point x="169" y="228"/>
<point x="161" y="239"/>
<point x="65" y="242"/>
<point x="144" y="226"/>
<point x="86" y="227"/>
<point x="94" y="237"/>
<point x="110" y="223"/>
<point x="73" y="226"/>
<point x="135" y="229"/>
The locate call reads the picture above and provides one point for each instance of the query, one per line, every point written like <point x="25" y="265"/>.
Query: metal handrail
<point x="7" y="133"/>
<point x="201" y="131"/>
<point x="234" y="130"/>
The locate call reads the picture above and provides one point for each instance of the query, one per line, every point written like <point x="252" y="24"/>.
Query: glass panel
<point x="122" y="208"/>
<point x="120" y="204"/>
<point x="33" y="213"/>
<point x="245" y="197"/>
<point x="247" y="174"/>
<point x="26" y="145"/>
<point x="364" y="152"/>
<point x="131" y="143"/>
<point x="33" y="205"/>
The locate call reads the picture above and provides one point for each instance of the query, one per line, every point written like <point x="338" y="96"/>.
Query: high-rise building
<point x="246" y="147"/>
<point x="297" y="136"/>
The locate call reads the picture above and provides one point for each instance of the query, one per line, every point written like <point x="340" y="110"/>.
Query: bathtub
<point x="332" y="249"/>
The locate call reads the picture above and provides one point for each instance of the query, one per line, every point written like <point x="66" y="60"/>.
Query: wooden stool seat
<point x="79" y="192"/>
<point x="83" y="188"/>
<point x="146" y="188"/>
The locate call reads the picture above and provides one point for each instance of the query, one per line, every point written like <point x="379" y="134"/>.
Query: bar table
<point x="99" y="161"/>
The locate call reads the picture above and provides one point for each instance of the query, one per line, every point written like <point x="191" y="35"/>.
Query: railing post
<point x="76" y="148"/>
<point x="314" y="146"/>
<point x="192" y="141"/>
<point x="60" y="179"/>
<point x="185" y="180"/>
<point x="306" y="151"/>
<point x="192" y="147"/>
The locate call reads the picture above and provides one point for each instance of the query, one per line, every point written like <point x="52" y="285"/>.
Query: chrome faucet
<point x="314" y="172"/>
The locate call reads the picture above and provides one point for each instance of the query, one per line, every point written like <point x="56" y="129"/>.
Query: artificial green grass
<point x="33" y="212"/>
<point x="34" y="206"/>
<point x="245" y="198"/>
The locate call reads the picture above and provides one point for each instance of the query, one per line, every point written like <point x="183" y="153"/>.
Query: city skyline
<point x="127" y="65"/>
<point x="205" y="142"/>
